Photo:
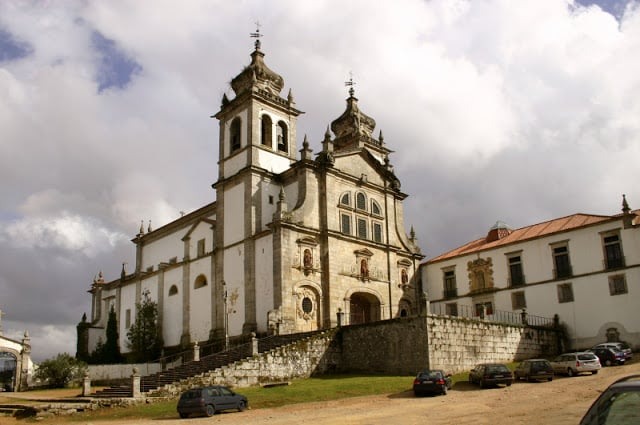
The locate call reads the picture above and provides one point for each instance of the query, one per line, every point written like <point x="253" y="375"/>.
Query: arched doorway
<point x="8" y="366"/>
<point x="363" y="308"/>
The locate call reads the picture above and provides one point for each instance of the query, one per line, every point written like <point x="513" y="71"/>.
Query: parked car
<point x="209" y="400"/>
<point x="618" y="404"/>
<point x="620" y="346"/>
<point x="534" y="369"/>
<point x="488" y="374"/>
<point x="609" y="356"/>
<point x="432" y="382"/>
<point x="574" y="363"/>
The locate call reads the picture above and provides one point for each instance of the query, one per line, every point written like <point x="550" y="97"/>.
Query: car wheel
<point x="595" y="372"/>
<point x="242" y="406"/>
<point x="528" y="378"/>
<point x="607" y="362"/>
<point x="549" y="379"/>
<point x="416" y="393"/>
<point x="184" y="415"/>
<point x="481" y="382"/>
<point x="570" y="372"/>
<point x="444" y="390"/>
<point x="210" y="410"/>
<point x="508" y="384"/>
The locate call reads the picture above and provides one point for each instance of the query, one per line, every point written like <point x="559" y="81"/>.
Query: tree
<point x="109" y="351"/>
<point x="145" y="338"/>
<point x="58" y="372"/>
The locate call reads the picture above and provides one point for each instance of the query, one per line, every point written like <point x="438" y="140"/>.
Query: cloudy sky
<point x="496" y="110"/>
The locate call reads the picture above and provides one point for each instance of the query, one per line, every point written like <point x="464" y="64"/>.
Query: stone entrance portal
<point x="363" y="308"/>
<point x="8" y="366"/>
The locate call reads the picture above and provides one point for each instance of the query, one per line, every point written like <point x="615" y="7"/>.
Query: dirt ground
<point x="562" y="401"/>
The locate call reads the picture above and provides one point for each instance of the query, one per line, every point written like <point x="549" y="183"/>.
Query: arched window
<point x="361" y="201"/>
<point x="375" y="208"/>
<point x="234" y="134"/>
<point x="173" y="290"/>
<point x="266" y="130"/>
<point x="345" y="199"/>
<point x="282" y="137"/>
<point x="201" y="281"/>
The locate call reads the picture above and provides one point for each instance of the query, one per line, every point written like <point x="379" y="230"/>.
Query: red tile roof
<point x="526" y="233"/>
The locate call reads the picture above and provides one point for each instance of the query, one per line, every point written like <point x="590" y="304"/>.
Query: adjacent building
<point x="584" y="268"/>
<point x="295" y="240"/>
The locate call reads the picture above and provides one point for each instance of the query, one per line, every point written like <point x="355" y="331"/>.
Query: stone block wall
<point x="457" y="344"/>
<point x="397" y="346"/>
<point x="315" y="355"/>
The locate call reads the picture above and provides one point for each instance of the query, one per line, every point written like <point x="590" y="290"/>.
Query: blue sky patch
<point x="115" y="68"/>
<point x="614" y="7"/>
<point x="11" y="48"/>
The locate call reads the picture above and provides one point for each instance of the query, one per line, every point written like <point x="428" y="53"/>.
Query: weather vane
<point x="257" y="35"/>
<point x="350" y="84"/>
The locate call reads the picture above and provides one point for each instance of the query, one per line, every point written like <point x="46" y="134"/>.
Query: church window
<point x="200" y="282"/>
<point x="307" y="305"/>
<point x="377" y="232"/>
<point x="282" y="137"/>
<point x="361" y="201"/>
<point x="375" y="208"/>
<point x="362" y="228"/>
<point x="265" y="130"/>
<point x="345" y="223"/>
<point x="345" y="199"/>
<point x="201" y="246"/>
<point x="565" y="293"/>
<point x="518" y="301"/>
<point x="173" y="290"/>
<point x="234" y="134"/>
<point x="617" y="285"/>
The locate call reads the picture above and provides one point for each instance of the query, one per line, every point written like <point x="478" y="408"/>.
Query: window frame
<point x="361" y="228"/>
<point x="613" y="281"/>
<point x="565" y="293"/>
<point x="449" y="283"/>
<point x="561" y="258"/>
<point x="282" y="137"/>
<point x="361" y="201"/>
<point x="235" y="135"/>
<point x="514" y="261"/>
<point x="377" y="236"/>
<point x="518" y="300"/>
<point x="345" y="219"/>
<point x="612" y="251"/>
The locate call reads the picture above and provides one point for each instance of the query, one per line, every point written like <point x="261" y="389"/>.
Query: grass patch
<point x="323" y="388"/>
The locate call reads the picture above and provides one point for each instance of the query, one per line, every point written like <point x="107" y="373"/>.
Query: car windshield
<point x="430" y="374"/>
<point x="621" y="408"/>
<point x="587" y="356"/>
<point x="497" y="368"/>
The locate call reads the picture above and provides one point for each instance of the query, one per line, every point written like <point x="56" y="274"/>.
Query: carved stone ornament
<point x="480" y="272"/>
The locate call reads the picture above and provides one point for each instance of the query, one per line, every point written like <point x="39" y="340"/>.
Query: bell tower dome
<point x="258" y="126"/>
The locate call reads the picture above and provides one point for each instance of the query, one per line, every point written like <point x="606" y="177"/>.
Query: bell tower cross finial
<point x="257" y="35"/>
<point x="350" y="84"/>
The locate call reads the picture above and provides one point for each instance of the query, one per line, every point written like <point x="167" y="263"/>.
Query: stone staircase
<point x="208" y="363"/>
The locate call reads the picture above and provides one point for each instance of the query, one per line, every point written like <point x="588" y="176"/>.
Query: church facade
<point x="295" y="240"/>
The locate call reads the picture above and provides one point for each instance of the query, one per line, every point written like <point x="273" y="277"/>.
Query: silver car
<point x="572" y="364"/>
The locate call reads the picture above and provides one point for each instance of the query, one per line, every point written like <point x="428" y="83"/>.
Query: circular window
<point x="307" y="305"/>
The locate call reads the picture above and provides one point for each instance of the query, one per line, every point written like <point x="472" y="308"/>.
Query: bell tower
<point x="257" y="141"/>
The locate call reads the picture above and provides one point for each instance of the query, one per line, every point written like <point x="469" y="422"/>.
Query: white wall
<point x="264" y="280"/>
<point x="234" y="215"/>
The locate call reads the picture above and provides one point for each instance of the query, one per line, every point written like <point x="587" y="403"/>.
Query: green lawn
<point x="323" y="388"/>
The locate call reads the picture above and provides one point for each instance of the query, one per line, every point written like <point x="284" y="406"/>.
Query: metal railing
<point x="499" y="316"/>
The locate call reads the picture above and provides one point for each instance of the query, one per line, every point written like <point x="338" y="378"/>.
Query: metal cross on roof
<point x="350" y="84"/>
<point x="257" y="35"/>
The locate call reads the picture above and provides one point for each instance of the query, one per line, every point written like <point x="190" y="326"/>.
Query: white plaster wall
<point x="200" y="299"/>
<point x="273" y="162"/>
<point x="202" y="231"/>
<point x="264" y="280"/>
<point x="172" y="320"/>
<point x="234" y="215"/>
<point x="234" y="279"/>
<point x="163" y="249"/>
<point x="127" y="301"/>
<point x="269" y="189"/>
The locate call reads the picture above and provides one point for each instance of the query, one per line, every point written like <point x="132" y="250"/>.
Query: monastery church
<point x="295" y="240"/>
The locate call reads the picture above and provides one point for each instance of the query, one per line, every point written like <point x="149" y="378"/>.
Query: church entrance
<point x="363" y="308"/>
<point x="8" y="364"/>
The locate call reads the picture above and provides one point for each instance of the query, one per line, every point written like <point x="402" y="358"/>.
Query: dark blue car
<point x="209" y="400"/>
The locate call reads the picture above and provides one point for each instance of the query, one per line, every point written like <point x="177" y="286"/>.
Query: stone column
<point x="196" y="352"/>
<point x="254" y="344"/>
<point x="86" y="385"/>
<point x="135" y="384"/>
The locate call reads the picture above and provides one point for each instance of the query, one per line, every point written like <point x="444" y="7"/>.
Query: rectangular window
<point x="377" y="232"/>
<point x="451" y="309"/>
<point x="613" y="258"/>
<point x="345" y="222"/>
<point x="617" y="285"/>
<point x="518" y="301"/>
<point x="362" y="228"/>
<point x="127" y="318"/>
<point x="201" y="247"/>
<point x="565" y="293"/>
<point x="516" y="277"/>
<point x="561" y="262"/>
<point x="450" y="288"/>
<point x="484" y="309"/>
